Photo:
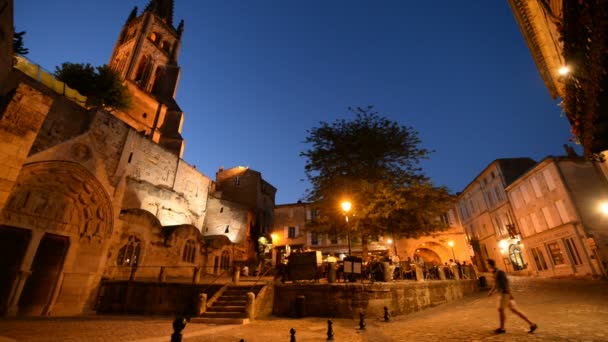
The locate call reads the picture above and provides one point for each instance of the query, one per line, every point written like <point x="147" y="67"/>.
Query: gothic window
<point x="189" y="251"/>
<point x="154" y="37"/>
<point x="141" y="68"/>
<point x="165" y="46"/>
<point x="128" y="255"/>
<point x="156" y="83"/>
<point x="225" y="261"/>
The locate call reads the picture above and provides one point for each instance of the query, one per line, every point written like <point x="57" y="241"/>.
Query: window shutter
<point x="549" y="179"/>
<point x="561" y="210"/>
<point x="536" y="187"/>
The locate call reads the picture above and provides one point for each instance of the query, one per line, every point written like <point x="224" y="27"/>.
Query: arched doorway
<point x="64" y="206"/>
<point x="45" y="270"/>
<point x="13" y="245"/>
<point x="429" y="256"/>
<point x="516" y="257"/>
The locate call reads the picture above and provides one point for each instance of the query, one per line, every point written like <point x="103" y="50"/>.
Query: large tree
<point x="18" y="43"/>
<point x="374" y="163"/>
<point x="102" y="85"/>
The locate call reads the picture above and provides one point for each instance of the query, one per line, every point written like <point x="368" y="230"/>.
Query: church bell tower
<point x="145" y="55"/>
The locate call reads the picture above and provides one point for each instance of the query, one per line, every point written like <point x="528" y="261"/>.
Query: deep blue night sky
<point x="257" y="74"/>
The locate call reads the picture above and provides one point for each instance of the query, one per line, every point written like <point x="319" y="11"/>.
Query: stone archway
<point x="428" y="255"/>
<point x="62" y="200"/>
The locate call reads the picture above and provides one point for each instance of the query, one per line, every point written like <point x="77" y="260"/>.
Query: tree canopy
<point x="374" y="163"/>
<point x="18" y="43"/>
<point x="102" y="85"/>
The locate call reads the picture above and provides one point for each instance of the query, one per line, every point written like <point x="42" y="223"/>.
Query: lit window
<point x="556" y="253"/>
<point x="128" y="255"/>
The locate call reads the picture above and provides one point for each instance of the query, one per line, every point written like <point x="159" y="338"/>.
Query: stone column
<point x="236" y="274"/>
<point x="441" y="271"/>
<point x="24" y="273"/>
<point x="419" y="273"/>
<point x="455" y="272"/>
<point x="196" y="276"/>
<point x="250" y="309"/>
<point x="201" y="304"/>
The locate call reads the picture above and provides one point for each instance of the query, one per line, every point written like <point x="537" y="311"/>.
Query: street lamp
<point x="346" y="205"/>
<point x="451" y="244"/>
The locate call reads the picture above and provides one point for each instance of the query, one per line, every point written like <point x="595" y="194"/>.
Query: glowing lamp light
<point x="273" y="237"/>
<point x="503" y="244"/>
<point x="451" y="243"/>
<point x="604" y="208"/>
<point x="389" y="241"/>
<point x="565" y="70"/>
<point x="346" y="205"/>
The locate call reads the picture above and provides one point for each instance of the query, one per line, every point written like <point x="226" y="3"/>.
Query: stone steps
<point x="230" y="307"/>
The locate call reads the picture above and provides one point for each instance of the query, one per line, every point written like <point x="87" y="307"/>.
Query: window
<point x="225" y="261"/>
<point x="556" y="253"/>
<point x="536" y="223"/>
<point x="445" y="219"/>
<point x="523" y="223"/>
<point x="524" y="192"/>
<point x="128" y="255"/>
<point x="291" y="232"/>
<point x="548" y="217"/>
<point x="539" y="259"/>
<point x="549" y="179"/>
<point x="498" y="192"/>
<point x="561" y="210"/>
<point x="334" y="238"/>
<point x="573" y="251"/>
<point x="221" y="210"/>
<point x="515" y="197"/>
<point x="314" y="239"/>
<point x="536" y="187"/>
<point x="237" y="180"/>
<point x="189" y="251"/>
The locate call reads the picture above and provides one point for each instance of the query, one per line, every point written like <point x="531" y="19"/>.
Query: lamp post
<point x="346" y="205"/>
<point x="451" y="244"/>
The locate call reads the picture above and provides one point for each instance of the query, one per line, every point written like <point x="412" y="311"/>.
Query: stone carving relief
<point x="61" y="197"/>
<point x="80" y="152"/>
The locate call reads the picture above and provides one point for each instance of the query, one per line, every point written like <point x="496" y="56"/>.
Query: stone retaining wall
<point x="347" y="300"/>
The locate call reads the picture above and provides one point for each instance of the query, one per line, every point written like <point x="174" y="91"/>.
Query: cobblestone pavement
<point x="565" y="310"/>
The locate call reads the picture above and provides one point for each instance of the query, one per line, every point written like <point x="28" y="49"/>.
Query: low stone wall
<point x="151" y="298"/>
<point x="347" y="300"/>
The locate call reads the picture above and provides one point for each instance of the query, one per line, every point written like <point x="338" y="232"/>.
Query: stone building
<point x="87" y="195"/>
<point x="290" y="233"/>
<point x="145" y="55"/>
<point x="248" y="188"/>
<point x="487" y="215"/>
<point x="557" y="205"/>
<point x="567" y="42"/>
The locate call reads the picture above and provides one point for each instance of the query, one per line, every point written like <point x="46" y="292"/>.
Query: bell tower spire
<point x="145" y="55"/>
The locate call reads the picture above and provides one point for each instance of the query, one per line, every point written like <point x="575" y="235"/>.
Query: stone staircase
<point x="230" y="307"/>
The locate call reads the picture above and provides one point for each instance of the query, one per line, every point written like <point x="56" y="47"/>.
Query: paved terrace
<point x="565" y="310"/>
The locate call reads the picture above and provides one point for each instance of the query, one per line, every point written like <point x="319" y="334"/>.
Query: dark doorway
<point x="13" y="245"/>
<point x="46" y="267"/>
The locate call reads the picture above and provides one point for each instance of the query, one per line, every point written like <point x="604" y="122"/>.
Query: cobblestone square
<point x="564" y="309"/>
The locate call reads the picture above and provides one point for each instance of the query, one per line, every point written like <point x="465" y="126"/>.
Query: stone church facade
<point x="87" y="195"/>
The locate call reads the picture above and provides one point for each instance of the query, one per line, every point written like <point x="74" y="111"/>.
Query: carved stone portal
<point x="60" y="197"/>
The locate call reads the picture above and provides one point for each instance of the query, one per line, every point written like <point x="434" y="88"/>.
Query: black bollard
<point x="387" y="318"/>
<point x="330" y="330"/>
<point x="178" y="325"/>
<point x="361" y="321"/>
<point x="292" y="333"/>
<point x="242" y="340"/>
